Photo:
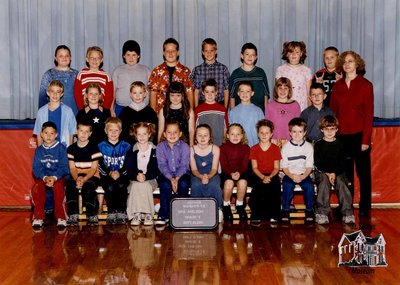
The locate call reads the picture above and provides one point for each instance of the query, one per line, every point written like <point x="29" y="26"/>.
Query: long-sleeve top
<point x="312" y="116"/>
<point x="329" y="156"/>
<point x="297" y="157"/>
<point x="234" y="157"/>
<point x="113" y="157"/>
<point x="354" y="107"/>
<point x="68" y="123"/>
<point x="132" y="164"/>
<point x="67" y="78"/>
<point x="173" y="162"/>
<point x="50" y="161"/>
<point x="102" y="78"/>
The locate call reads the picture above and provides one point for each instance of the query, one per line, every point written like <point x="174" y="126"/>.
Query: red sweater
<point x="354" y="107"/>
<point x="234" y="157"/>
<point x="85" y="77"/>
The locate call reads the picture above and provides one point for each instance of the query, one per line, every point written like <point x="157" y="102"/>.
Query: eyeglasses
<point x="317" y="95"/>
<point x="330" y="129"/>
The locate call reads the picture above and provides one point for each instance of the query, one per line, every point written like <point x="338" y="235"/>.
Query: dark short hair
<point x="171" y="41"/>
<point x="49" y="124"/>
<point x="265" y="123"/>
<point x="57" y="49"/>
<point x="316" y="85"/>
<point x="247" y="83"/>
<point x="209" y="82"/>
<point x="248" y="46"/>
<point x="300" y="122"/>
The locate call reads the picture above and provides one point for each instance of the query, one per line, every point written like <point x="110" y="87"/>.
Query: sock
<point x="239" y="203"/>
<point x="227" y="203"/>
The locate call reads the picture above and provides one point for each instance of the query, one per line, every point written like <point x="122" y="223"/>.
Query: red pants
<point x="38" y="194"/>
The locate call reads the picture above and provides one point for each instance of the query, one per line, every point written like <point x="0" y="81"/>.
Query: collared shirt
<point x="159" y="81"/>
<point x="173" y="162"/>
<point x="217" y="71"/>
<point x="312" y="116"/>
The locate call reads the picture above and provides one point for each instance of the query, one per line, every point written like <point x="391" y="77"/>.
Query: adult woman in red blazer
<point x="352" y="100"/>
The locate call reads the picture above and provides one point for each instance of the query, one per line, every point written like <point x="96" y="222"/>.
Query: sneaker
<point x="273" y="220"/>
<point x="241" y="212"/>
<point x="227" y="212"/>
<point x="321" y="219"/>
<point x="161" y="222"/>
<point x="121" y="218"/>
<point x="285" y="217"/>
<point x="349" y="219"/>
<point x="136" y="219"/>
<point x="61" y="223"/>
<point x="148" y="220"/>
<point x="93" y="220"/>
<point x="73" y="219"/>
<point x="309" y="216"/>
<point x="220" y="216"/>
<point x="112" y="219"/>
<point x="37" y="223"/>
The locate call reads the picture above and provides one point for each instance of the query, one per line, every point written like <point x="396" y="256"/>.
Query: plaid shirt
<point x="217" y="71"/>
<point x="159" y="81"/>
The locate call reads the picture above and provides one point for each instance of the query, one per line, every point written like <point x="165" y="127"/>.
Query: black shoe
<point x="364" y="213"/>
<point x="227" y="212"/>
<point x="309" y="216"/>
<point x="241" y="212"/>
<point x="285" y="217"/>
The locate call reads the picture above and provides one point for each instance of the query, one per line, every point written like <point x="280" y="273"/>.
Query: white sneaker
<point x="160" y="222"/>
<point x="321" y="219"/>
<point x="148" y="220"/>
<point x="220" y="216"/>
<point x="136" y="219"/>
<point x="37" y="223"/>
<point x="349" y="219"/>
<point x="61" y="223"/>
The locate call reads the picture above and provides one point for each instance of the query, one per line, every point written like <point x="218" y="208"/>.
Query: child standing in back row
<point x="173" y="156"/>
<point x="94" y="74"/>
<point x="248" y="71"/>
<point x="204" y="160"/>
<point x="141" y="164"/>
<point x="210" y="68"/>
<point x="330" y="74"/>
<point x="234" y="158"/>
<point x="295" y="54"/>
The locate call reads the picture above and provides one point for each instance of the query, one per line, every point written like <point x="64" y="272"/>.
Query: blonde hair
<point x="56" y="83"/>
<point x="113" y="120"/>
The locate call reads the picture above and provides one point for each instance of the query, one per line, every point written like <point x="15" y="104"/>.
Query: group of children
<point x="124" y="149"/>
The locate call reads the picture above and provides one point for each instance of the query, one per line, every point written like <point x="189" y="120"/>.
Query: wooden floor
<point x="233" y="254"/>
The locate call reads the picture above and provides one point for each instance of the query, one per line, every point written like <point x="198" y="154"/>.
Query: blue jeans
<point x="166" y="193"/>
<point x="288" y="192"/>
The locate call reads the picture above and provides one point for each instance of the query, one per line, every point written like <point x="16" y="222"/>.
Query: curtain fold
<point x="30" y="30"/>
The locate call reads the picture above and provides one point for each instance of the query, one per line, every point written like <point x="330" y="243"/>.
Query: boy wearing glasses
<point x="329" y="172"/>
<point x="315" y="112"/>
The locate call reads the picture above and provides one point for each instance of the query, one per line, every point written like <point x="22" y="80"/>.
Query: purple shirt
<point x="173" y="162"/>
